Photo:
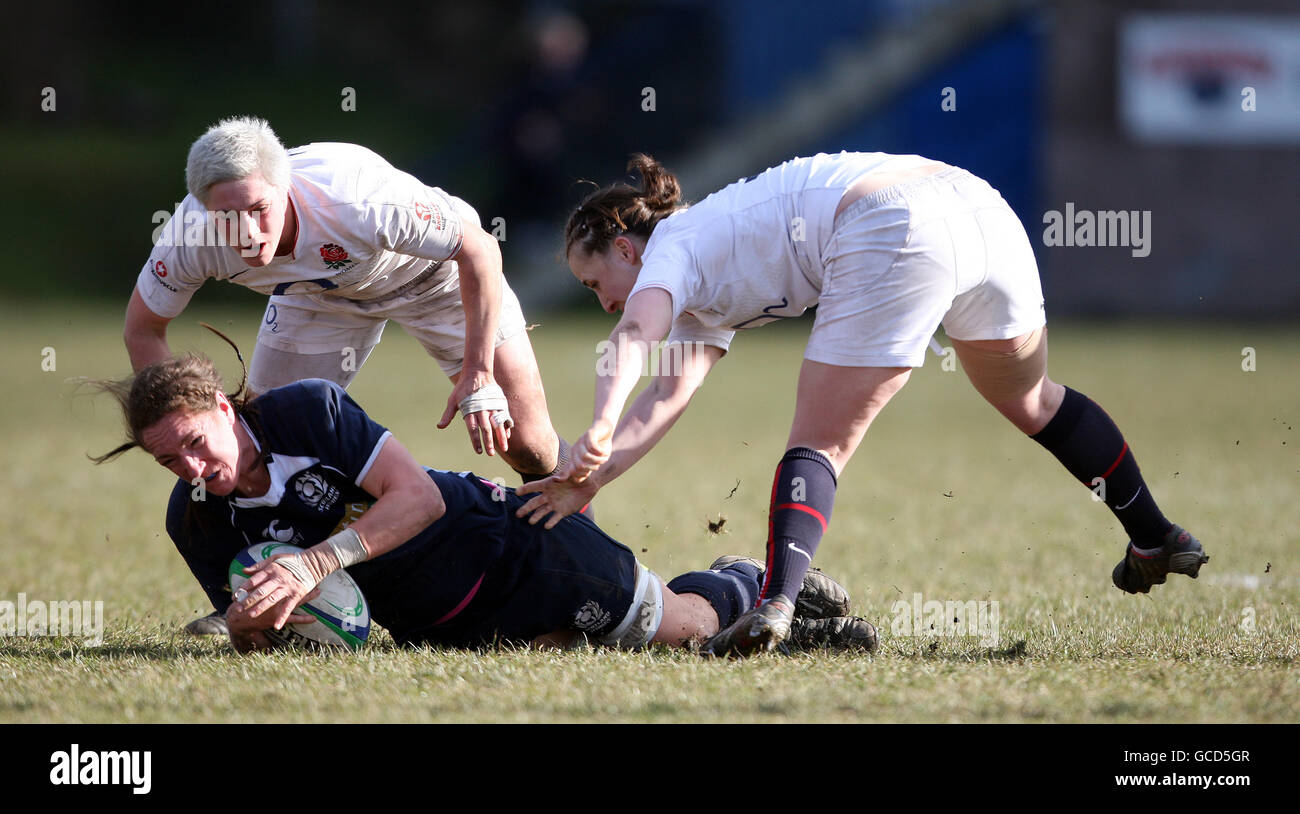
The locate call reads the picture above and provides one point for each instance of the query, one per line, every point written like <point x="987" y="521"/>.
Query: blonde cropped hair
<point x="233" y="149"/>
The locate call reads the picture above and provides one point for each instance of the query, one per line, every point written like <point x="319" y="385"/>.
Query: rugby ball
<point x="341" y="611"/>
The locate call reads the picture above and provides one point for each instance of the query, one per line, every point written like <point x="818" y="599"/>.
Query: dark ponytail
<point x="623" y="209"/>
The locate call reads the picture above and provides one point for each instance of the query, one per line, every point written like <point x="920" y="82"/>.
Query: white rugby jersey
<point x="752" y="252"/>
<point x="365" y="229"/>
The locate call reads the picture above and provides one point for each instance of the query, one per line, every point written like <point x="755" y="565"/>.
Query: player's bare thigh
<point x="836" y="405"/>
<point x="1013" y="381"/>
<point x="306" y="341"/>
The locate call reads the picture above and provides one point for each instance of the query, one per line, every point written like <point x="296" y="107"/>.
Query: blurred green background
<point x="513" y="104"/>
<point x="509" y="105"/>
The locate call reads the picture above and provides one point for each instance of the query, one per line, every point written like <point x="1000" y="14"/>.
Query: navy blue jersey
<point x="319" y="445"/>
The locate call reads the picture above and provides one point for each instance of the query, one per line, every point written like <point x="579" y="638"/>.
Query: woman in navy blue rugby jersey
<point x="439" y="555"/>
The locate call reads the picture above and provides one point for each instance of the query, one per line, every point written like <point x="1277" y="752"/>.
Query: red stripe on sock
<point x="1106" y="474"/>
<point x="809" y="509"/>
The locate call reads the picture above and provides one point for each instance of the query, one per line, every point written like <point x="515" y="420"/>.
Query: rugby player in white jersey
<point x="343" y="242"/>
<point x="888" y="247"/>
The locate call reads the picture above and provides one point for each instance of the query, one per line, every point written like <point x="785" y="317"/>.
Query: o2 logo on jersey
<point x="284" y="535"/>
<point x="314" y="491"/>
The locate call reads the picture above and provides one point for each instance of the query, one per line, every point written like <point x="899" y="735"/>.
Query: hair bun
<point x="623" y="209"/>
<point x="659" y="187"/>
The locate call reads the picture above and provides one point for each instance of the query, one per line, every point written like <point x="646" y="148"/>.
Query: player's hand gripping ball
<point x="341" y="611"/>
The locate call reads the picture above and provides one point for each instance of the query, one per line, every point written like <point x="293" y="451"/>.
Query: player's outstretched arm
<point x="407" y="502"/>
<point x="650" y="417"/>
<point x="657" y="409"/>
<point x="479" y="267"/>
<point x="647" y="317"/>
<point x="145" y="334"/>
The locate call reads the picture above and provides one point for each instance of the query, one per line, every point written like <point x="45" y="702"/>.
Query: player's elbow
<point x="683" y="366"/>
<point x="676" y="392"/>
<point x="629" y="329"/>
<point x="425" y="496"/>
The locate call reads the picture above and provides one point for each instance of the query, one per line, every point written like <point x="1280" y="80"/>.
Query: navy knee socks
<point x="803" y="493"/>
<point x="1083" y="438"/>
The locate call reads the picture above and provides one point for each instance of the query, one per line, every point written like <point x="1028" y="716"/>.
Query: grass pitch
<point x="944" y="499"/>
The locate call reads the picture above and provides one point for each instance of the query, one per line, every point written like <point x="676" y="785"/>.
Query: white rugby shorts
<point x="319" y="336"/>
<point x="943" y="248"/>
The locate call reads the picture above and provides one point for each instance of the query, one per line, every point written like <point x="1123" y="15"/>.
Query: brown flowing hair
<point x="624" y="209"/>
<point x="186" y="381"/>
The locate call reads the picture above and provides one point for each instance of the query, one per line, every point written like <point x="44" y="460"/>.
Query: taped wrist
<point x="489" y="397"/>
<point x="296" y="566"/>
<point x="348" y="548"/>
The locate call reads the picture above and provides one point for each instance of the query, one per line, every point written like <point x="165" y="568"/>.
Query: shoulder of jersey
<point x="303" y="390"/>
<point x="327" y="151"/>
<point x="346" y="174"/>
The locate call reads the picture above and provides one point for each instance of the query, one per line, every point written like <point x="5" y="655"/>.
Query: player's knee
<point x="1006" y="372"/>
<point x="534" y="455"/>
<point x="886" y="387"/>
<point x="688" y="617"/>
<point x="1031" y="411"/>
<point x="892" y="385"/>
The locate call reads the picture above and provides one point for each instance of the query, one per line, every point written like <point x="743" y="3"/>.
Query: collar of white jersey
<point x="279" y="468"/>
<point x="297" y="221"/>
<point x="657" y="234"/>
<point x="250" y="432"/>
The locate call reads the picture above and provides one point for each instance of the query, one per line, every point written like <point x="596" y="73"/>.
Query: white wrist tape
<point x="348" y="548"/>
<point x="294" y="565"/>
<point x="488" y="397"/>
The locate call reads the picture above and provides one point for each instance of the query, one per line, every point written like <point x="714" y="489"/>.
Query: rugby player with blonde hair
<point x="343" y="242"/>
